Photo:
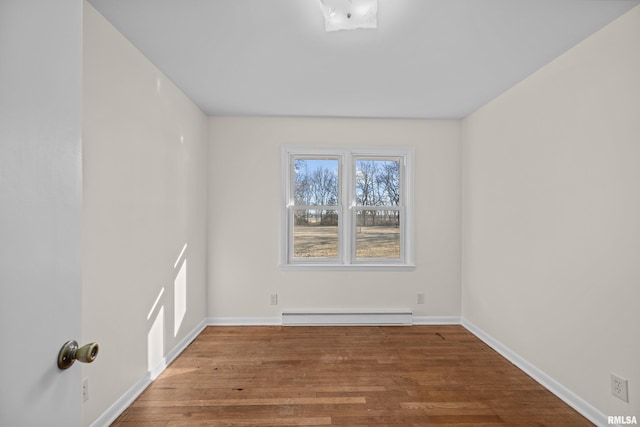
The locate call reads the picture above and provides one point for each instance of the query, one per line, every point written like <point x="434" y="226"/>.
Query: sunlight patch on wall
<point x="180" y="291"/>
<point x="155" y="342"/>
<point x="179" y="297"/>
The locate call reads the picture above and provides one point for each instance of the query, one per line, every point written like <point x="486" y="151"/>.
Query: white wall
<point x="144" y="202"/>
<point x="551" y="217"/>
<point x="40" y="209"/>
<point x="243" y="259"/>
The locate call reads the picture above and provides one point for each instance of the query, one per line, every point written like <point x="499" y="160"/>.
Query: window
<point x="346" y="208"/>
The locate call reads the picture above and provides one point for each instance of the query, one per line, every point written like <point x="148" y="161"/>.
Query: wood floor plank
<point x="344" y="376"/>
<point x="254" y="402"/>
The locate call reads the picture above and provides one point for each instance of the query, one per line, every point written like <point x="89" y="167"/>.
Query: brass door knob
<point x="70" y="352"/>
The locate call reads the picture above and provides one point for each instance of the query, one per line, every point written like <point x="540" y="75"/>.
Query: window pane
<point x="315" y="233"/>
<point x="377" y="234"/>
<point x="378" y="182"/>
<point x="316" y="182"/>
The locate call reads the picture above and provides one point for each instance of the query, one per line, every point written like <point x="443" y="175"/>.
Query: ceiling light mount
<point x="349" y="14"/>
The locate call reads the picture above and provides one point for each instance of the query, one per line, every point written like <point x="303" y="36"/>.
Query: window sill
<point x="347" y="267"/>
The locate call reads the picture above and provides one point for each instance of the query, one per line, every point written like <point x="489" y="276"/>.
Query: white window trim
<point x="346" y="206"/>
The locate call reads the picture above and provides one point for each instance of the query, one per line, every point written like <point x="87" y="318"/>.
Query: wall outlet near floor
<point x="85" y="389"/>
<point x="619" y="387"/>
<point x="274" y="299"/>
<point x="420" y="299"/>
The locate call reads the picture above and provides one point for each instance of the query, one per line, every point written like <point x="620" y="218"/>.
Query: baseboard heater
<point x="347" y="318"/>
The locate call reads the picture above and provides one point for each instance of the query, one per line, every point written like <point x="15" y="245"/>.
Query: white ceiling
<point x="426" y="59"/>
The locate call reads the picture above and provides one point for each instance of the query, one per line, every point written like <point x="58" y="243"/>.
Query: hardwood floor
<point x="345" y="376"/>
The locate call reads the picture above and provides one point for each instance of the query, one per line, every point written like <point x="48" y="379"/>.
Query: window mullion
<point x="347" y="198"/>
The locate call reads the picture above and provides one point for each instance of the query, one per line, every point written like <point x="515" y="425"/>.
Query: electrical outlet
<point x="274" y="299"/>
<point x="619" y="387"/>
<point x="420" y="299"/>
<point x="85" y="389"/>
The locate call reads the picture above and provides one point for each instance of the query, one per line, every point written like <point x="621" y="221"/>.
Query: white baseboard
<point x="570" y="398"/>
<point x="436" y="320"/>
<point x="114" y="411"/>
<point x="277" y="321"/>
<point x="243" y="321"/>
